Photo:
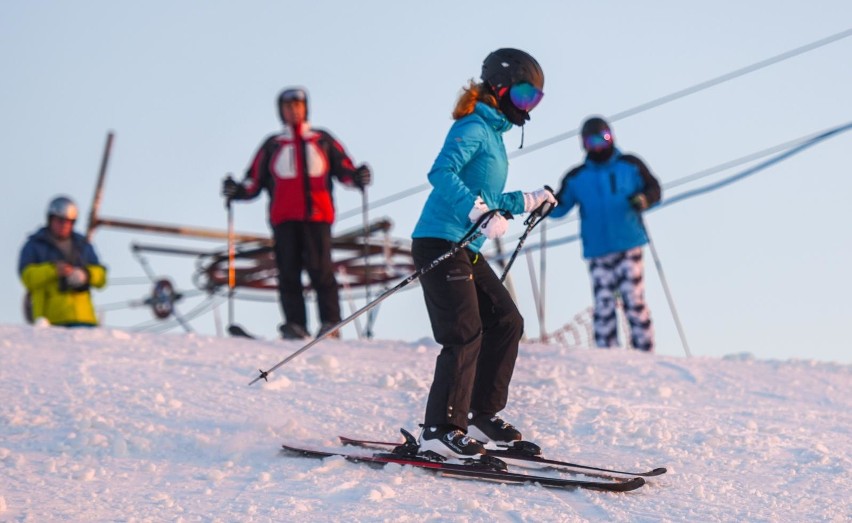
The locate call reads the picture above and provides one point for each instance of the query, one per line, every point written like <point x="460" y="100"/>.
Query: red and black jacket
<point x="296" y="167"/>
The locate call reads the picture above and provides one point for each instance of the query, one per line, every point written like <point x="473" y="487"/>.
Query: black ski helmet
<point x="291" y="94"/>
<point x="62" y="207"/>
<point x="506" y="67"/>
<point x="594" y="125"/>
<point x="597" y="126"/>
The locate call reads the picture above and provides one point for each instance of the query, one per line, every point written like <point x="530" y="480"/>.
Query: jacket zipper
<point x="301" y="156"/>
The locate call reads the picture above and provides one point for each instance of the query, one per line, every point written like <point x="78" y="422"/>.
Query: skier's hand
<point x="534" y="200"/>
<point x="495" y="226"/>
<point x="231" y="189"/>
<point x="363" y="176"/>
<point x="78" y="278"/>
<point x="479" y="208"/>
<point x="639" y="202"/>
<point x="63" y="269"/>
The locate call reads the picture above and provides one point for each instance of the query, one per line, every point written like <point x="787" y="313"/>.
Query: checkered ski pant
<point x="621" y="273"/>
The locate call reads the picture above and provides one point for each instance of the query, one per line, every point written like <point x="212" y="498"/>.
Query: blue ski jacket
<point x="608" y="222"/>
<point x="472" y="163"/>
<point x="50" y="297"/>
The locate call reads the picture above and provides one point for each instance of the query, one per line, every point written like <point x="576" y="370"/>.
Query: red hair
<point x="474" y="92"/>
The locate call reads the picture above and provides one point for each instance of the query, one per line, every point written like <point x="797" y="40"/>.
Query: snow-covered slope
<point x="102" y="425"/>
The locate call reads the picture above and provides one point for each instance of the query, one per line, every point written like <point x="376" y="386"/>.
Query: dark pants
<point x="478" y="325"/>
<point x="305" y="246"/>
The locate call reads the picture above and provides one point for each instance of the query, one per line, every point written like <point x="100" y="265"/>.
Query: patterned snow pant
<point x="621" y="273"/>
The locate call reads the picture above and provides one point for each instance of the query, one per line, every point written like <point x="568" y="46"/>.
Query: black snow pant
<point x="305" y="246"/>
<point x="479" y="327"/>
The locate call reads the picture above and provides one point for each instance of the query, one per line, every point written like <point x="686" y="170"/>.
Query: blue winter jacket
<point x="471" y="163"/>
<point x="49" y="295"/>
<point x="608" y="222"/>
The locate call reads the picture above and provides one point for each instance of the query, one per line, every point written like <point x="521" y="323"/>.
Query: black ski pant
<point x="479" y="327"/>
<point x="305" y="246"/>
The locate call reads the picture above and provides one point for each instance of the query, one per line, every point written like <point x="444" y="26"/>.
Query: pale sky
<point x="188" y="88"/>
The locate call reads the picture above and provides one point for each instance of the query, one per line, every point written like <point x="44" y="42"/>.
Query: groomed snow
<point x="103" y="425"/>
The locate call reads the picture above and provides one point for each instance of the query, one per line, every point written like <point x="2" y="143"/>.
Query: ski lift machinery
<point x="363" y="256"/>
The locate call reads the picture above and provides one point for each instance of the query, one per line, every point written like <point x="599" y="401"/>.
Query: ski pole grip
<point x="546" y="207"/>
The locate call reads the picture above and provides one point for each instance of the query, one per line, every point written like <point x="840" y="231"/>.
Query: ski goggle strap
<point x="525" y="96"/>
<point x="598" y="141"/>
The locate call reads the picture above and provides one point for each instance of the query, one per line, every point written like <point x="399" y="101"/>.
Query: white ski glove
<point x="479" y="208"/>
<point x="77" y="278"/>
<point x="495" y="226"/>
<point x="534" y="200"/>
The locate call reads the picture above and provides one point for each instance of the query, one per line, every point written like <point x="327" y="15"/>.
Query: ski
<point x="518" y="456"/>
<point x="239" y="332"/>
<point x="470" y="471"/>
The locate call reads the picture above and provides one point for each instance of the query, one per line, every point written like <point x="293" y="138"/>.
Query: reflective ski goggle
<point x="597" y="142"/>
<point x="525" y="96"/>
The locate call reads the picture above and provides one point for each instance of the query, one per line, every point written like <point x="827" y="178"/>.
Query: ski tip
<point x="238" y="332"/>
<point x="625" y="486"/>
<point x="633" y="484"/>
<point x="656" y="472"/>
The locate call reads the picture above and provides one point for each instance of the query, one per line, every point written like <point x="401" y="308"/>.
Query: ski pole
<point x="233" y="328"/>
<point x="472" y="235"/>
<point x="232" y="274"/>
<point x="535" y="217"/>
<point x="666" y="288"/>
<point x="368" y="328"/>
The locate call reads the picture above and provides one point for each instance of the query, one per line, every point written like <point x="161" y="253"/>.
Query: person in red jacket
<point x="296" y="167"/>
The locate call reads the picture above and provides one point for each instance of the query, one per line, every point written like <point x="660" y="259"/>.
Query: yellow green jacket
<point x="51" y="296"/>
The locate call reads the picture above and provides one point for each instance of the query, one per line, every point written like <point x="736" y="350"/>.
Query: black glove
<point x="639" y="202"/>
<point x="232" y="190"/>
<point x="362" y="176"/>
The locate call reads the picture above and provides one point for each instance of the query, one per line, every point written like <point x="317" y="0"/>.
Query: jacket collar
<point x="616" y="154"/>
<point x="304" y="131"/>
<point x="492" y="117"/>
<point x="43" y="235"/>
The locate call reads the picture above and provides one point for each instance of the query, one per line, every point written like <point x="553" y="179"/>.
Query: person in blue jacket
<point x="59" y="267"/>
<point x="473" y="316"/>
<point x="612" y="190"/>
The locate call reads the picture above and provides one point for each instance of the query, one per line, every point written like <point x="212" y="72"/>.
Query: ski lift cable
<point x="720" y="167"/>
<point x="719" y="184"/>
<point x="693" y="89"/>
<point x="632" y="111"/>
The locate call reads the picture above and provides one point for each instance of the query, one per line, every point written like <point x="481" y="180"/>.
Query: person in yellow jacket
<point x="59" y="267"/>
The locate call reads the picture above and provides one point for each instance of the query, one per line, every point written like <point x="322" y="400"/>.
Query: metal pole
<point x="542" y="283"/>
<point x="232" y="273"/>
<point x="368" y="328"/>
<point x="666" y="289"/>
<point x="233" y="328"/>
<point x="99" y="189"/>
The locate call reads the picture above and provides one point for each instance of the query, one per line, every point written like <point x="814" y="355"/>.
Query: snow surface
<point x="103" y="425"/>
